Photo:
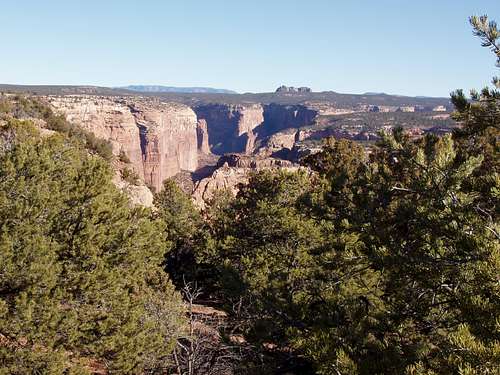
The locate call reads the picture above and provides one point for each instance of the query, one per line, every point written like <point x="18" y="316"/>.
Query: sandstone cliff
<point x="239" y="128"/>
<point x="231" y="127"/>
<point x="203" y="141"/>
<point x="168" y="140"/>
<point x="107" y="118"/>
<point x="280" y="117"/>
<point x="159" y="139"/>
<point x="233" y="170"/>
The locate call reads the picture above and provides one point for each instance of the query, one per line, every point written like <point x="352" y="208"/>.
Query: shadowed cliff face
<point x="278" y="117"/>
<point x="230" y="127"/>
<point x="159" y="139"/>
<point x="235" y="128"/>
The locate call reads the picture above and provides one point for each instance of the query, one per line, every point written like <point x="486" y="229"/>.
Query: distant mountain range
<point x="188" y="90"/>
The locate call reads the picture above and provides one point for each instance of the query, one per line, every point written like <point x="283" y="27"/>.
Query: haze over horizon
<point x="423" y="49"/>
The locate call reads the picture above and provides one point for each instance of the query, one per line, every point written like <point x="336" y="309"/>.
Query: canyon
<point x="216" y="142"/>
<point x="159" y="139"/>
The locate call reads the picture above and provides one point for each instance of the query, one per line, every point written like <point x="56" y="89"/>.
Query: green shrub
<point x="123" y="157"/>
<point x="130" y="176"/>
<point x="81" y="279"/>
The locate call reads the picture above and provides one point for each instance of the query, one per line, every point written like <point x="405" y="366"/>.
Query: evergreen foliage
<point x="81" y="284"/>
<point x="22" y="107"/>
<point x="183" y="231"/>
<point x="385" y="263"/>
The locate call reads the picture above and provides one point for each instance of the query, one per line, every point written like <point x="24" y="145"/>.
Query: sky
<point x="404" y="47"/>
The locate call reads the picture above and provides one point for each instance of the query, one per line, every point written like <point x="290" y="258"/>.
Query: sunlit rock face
<point x="107" y="118"/>
<point x="203" y="141"/>
<point x="233" y="170"/>
<point x="159" y="139"/>
<point x="168" y="140"/>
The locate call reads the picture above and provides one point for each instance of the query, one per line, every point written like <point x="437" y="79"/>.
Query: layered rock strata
<point x="202" y="132"/>
<point x="238" y="128"/>
<point x="231" y="127"/>
<point x="159" y="139"/>
<point x="234" y="170"/>
<point x="168" y="140"/>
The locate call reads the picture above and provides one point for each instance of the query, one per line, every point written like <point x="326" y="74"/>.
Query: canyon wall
<point x="159" y="139"/>
<point x="110" y="119"/>
<point x="237" y="128"/>
<point x="168" y="140"/>
<point x="278" y="117"/>
<point x="202" y="132"/>
<point x="231" y="127"/>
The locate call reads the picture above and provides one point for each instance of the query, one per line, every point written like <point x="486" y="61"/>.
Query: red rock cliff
<point x="159" y="138"/>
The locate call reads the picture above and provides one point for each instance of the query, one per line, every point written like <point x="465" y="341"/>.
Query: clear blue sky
<point x="404" y="47"/>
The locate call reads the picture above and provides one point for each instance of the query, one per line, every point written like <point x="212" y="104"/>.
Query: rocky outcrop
<point x="234" y="170"/>
<point x="253" y="162"/>
<point x="355" y="135"/>
<point x="159" y="139"/>
<point x="225" y="178"/>
<point x="231" y="127"/>
<point x="291" y="89"/>
<point x="278" y="141"/>
<point x="202" y="132"/>
<point x="138" y="193"/>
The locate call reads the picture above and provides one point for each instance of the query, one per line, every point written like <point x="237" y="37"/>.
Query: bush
<point x="81" y="285"/>
<point x="123" y="157"/>
<point x="27" y="107"/>
<point x="130" y="176"/>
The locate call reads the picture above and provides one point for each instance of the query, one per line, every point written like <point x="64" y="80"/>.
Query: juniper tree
<point x="81" y="285"/>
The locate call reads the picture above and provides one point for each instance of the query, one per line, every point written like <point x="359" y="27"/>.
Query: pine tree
<point x="183" y="231"/>
<point x="81" y="284"/>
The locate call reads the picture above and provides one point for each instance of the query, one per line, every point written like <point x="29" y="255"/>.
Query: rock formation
<point x="252" y="162"/>
<point x="238" y="128"/>
<point x="224" y="178"/>
<point x="278" y="141"/>
<point x="202" y="132"/>
<point x="279" y="117"/>
<point x="107" y="118"/>
<point x="291" y="89"/>
<point x="139" y="194"/>
<point x="231" y="127"/>
<point x="159" y="138"/>
<point x="234" y="169"/>
<point x="168" y="140"/>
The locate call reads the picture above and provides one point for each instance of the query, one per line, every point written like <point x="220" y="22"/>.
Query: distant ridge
<point x="189" y="90"/>
<point x="339" y="100"/>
